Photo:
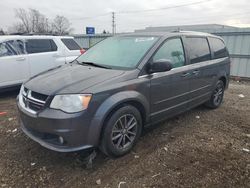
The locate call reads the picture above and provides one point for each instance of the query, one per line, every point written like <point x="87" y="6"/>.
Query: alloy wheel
<point x="124" y="131"/>
<point x="218" y="95"/>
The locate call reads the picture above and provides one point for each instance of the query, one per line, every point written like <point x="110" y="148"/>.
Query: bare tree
<point x="31" y="21"/>
<point x="39" y="22"/>
<point x="61" y="25"/>
<point x="17" y="28"/>
<point x="25" y="25"/>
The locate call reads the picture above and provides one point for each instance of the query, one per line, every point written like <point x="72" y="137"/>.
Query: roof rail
<point x="185" y="31"/>
<point x="31" y="34"/>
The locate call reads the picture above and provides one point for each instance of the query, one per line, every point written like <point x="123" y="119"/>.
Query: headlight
<point x="71" y="103"/>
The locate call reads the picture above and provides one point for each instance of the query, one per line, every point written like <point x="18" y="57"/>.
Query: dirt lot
<point x="201" y="148"/>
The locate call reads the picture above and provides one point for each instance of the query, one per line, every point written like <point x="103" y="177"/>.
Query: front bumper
<point x="49" y="126"/>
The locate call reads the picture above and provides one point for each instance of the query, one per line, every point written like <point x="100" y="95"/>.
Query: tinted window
<point x="40" y="45"/>
<point x="53" y="45"/>
<point x="198" y="49"/>
<point x="18" y="46"/>
<point x="171" y="50"/>
<point x="71" y="44"/>
<point x="5" y="50"/>
<point x="218" y="47"/>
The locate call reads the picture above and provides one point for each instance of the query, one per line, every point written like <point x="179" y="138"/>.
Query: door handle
<point x="185" y="74"/>
<point x="20" y="59"/>
<point x="196" y="72"/>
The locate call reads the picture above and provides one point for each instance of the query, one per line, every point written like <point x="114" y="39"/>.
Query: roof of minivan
<point x="15" y="37"/>
<point x="166" y="34"/>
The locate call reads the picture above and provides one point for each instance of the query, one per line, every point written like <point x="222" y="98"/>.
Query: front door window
<point x="171" y="50"/>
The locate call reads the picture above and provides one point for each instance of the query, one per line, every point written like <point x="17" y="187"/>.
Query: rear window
<point x="198" y="49"/>
<point x="218" y="48"/>
<point x="71" y="44"/>
<point x="40" y="46"/>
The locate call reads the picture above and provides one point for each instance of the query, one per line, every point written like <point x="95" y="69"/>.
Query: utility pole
<point x="113" y="23"/>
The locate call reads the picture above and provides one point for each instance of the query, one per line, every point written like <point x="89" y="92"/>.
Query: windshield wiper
<point x="94" y="64"/>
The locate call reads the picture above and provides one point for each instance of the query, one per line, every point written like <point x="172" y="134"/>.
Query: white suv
<point x="22" y="57"/>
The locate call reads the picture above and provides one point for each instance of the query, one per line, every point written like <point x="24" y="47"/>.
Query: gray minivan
<point x="120" y="86"/>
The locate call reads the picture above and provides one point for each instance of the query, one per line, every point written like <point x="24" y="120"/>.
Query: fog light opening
<point x="61" y="140"/>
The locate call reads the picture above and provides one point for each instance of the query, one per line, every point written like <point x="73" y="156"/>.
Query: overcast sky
<point x="229" y="12"/>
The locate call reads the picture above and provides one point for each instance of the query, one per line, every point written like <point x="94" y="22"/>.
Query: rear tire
<point x="121" y="132"/>
<point x="217" y="96"/>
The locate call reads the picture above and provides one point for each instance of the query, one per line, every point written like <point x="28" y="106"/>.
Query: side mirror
<point x="161" y="65"/>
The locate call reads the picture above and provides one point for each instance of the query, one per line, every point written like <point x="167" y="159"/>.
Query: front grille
<point x="32" y="101"/>
<point x="39" y="96"/>
<point x="35" y="106"/>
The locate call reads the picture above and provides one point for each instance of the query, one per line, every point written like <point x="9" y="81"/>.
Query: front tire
<point x="121" y="132"/>
<point x="217" y="96"/>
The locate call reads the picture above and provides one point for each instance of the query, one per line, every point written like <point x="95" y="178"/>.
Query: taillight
<point x="82" y="51"/>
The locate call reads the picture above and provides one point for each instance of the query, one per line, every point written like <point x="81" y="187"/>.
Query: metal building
<point x="237" y="40"/>
<point x="238" y="43"/>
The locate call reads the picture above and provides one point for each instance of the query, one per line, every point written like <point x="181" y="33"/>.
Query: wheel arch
<point x="224" y="80"/>
<point x="223" y="75"/>
<point x="113" y="103"/>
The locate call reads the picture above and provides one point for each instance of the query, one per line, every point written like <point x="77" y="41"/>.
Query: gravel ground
<point x="200" y="148"/>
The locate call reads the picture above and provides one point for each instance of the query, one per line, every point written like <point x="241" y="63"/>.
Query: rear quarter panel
<point x="68" y="55"/>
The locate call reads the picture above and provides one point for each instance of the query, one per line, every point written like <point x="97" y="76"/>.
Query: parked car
<point x="120" y="86"/>
<point x="22" y="57"/>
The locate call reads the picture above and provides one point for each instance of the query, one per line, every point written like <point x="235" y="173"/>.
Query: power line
<point x="204" y="18"/>
<point x="145" y="10"/>
<point x="194" y="21"/>
<point x="163" y="8"/>
<point x="140" y="11"/>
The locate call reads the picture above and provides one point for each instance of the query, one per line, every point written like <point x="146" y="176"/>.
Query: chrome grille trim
<point x="32" y="98"/>
<point x="27" y="101"/>
<point x="21" y="99"/>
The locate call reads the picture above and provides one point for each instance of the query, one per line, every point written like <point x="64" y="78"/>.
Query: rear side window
<point x="40" y="46"/>
<point x="198" y="49"/>
<point x="218" y="48"/>
<point x="71" y="44"/>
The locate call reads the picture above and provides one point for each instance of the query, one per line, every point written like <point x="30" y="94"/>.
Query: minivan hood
<point x="73" y="78"/>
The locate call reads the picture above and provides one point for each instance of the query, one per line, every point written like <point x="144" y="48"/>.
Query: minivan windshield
<point x="121" y="52"/>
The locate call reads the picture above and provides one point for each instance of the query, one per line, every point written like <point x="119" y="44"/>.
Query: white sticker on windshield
<point x="143" y="39"/>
